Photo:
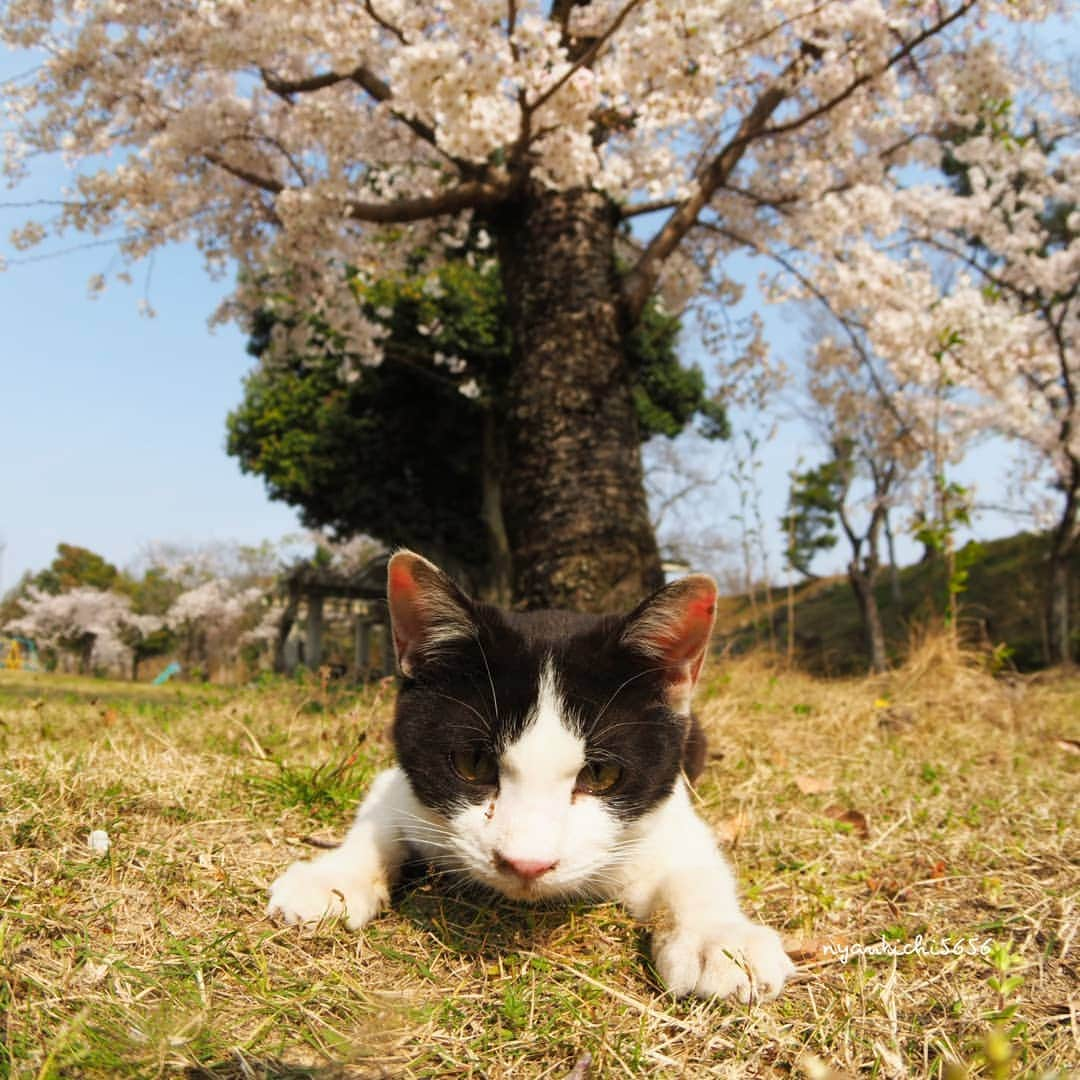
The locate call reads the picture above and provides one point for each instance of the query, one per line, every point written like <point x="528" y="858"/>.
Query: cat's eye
<point x="475" y="765"/>
<point x="598" y="777"/>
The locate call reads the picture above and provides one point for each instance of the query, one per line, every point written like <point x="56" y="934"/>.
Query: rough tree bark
<point x="863" y="575"/>
<point x="574" y="498"/>
<point x="863" y="579"/>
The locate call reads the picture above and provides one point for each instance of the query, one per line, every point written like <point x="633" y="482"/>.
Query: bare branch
<point x="638" y="285"/>
<point x="286" y="87"/>
<point x="264" y="183"/>
<point x="511" y="26"/>
<point x="648" y="208"/>
<point x="363" y="77"/>
<point x="389" y="27"/>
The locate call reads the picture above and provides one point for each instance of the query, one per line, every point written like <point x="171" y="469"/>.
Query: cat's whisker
<point x="465" y="705"/>
<point x="618" y="690"/>
<point x="491" y="680"/>
<point x="634" y="723"/>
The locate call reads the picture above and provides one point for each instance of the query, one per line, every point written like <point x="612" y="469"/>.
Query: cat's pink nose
<point x="526" y="869"/>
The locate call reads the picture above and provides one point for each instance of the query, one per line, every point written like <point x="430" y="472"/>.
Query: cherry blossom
<point x="310" y="145"/>
<point x="97" y="626"/>
<point x="298" y="138"/>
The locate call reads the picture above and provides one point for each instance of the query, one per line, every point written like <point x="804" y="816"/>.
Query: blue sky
<point x="113" y="422"/>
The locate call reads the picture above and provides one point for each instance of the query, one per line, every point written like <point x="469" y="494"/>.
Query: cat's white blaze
<point x="535" y="817"/>
<point x="536" y="781"/>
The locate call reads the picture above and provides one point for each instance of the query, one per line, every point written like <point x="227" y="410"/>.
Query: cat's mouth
<point x="531" y="892"/>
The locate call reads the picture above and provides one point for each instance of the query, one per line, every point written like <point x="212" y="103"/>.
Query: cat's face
<point x="537" y="738"/>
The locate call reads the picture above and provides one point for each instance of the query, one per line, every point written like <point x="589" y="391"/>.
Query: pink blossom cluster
<point x="296" y="138"/>
<point x="102" y="622"/>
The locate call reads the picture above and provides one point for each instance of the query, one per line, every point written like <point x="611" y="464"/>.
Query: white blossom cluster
<point x="95" y="620"/>
<point x="299" y="137"/>
<point x="217" y="603"/>
<point x="973" y="298"/>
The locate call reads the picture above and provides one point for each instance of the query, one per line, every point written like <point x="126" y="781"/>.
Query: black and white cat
<point x="547" y="754"/>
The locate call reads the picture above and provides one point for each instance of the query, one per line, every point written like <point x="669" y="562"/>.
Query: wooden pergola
<point x="312" y="586"/>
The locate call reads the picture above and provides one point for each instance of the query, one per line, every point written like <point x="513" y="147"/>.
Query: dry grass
<point x="933" y="801"/>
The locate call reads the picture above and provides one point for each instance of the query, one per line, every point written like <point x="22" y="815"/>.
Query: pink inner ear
<point x="402" y="582"/>
<point x="403" y="592"/>
<point x="688" y="634"/>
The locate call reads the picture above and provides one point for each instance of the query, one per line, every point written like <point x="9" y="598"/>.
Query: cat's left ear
<point x="673" y="627"/>
<point x="427" y="610"/>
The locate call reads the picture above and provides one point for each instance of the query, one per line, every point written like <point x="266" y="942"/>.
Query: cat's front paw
<point x="740" y="958"/>
<point x="311" y="891"/>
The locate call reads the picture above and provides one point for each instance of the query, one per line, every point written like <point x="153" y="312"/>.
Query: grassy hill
<point x="1003" y="605"/>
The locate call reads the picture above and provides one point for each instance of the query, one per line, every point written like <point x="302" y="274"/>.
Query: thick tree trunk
<point x="862" y="584"/>
<point x="574" y="500"/>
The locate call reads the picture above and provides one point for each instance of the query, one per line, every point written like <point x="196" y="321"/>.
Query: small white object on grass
<point x="98" y="841"/>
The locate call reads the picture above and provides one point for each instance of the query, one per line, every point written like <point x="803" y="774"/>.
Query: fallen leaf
<point x="581" y="1070"/>
<point x="730" y="829"/>
<point x="890" y="888"/>
<point x="802" y="950"/>
<point x="92" y="973"/>
<point x="1070" y="746"/>
<point x="855" y="818"/>
<point x="813" y="785"/>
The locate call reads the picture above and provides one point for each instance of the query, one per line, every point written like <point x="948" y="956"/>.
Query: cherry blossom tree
<point x="317" y="145"/>
<point x="212" y="618"/>
<point x="97" y="626"/>
<point x="977" y="291"/>
<point x="876" y="442"/>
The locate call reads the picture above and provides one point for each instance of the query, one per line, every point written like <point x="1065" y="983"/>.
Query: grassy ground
<point x="933" y="801"/>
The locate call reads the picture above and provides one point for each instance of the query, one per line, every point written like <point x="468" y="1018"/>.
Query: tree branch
<point x="641" y="281"/>
<point x="286" y="87"/>
<point x="648" y="208"/>
<point x="264" y="183"/>
<point x="469" y="195"/>
<point x="389" y="27"/>
<point x="363" y="77"/>
<point x="586" y="58"/>
<point x="901" y="54"/>
<point x="638" y="285"/>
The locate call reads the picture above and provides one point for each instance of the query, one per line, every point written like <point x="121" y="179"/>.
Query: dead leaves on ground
<point x="856" y="819"/>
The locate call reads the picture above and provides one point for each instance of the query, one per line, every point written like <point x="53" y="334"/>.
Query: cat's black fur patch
<point x="481" y="691"/>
